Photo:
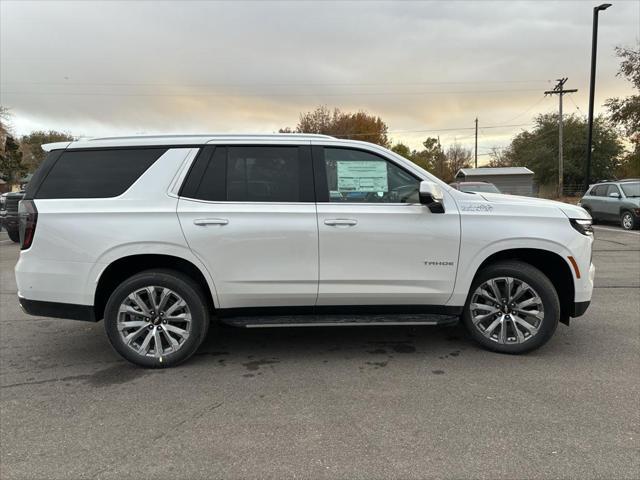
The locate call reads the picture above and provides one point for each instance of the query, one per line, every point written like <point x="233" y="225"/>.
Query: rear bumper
<point x="58" y="310"/>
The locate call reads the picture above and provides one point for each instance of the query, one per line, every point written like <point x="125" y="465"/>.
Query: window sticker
<point x="362" y="176"/>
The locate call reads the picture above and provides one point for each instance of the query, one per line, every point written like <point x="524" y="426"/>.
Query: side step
<point x="339" y="320"/>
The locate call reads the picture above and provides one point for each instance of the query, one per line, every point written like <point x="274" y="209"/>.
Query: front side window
<point x="612" y="189"/>
<point x="354" y="176"/>
<point x="599" y="191"/>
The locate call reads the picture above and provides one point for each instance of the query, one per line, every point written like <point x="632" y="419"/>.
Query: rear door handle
<point x="341" y="222"/>
<point x="203" y="222"/>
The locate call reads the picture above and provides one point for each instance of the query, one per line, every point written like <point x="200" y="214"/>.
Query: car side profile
<point x="159" y="235"/>
<point x="615" y="202"/>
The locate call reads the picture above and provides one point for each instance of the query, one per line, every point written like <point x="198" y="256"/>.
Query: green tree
<point x="625" y="112"/>
<point x="351" y="125"/>
<point x="11" y="167"/>
<point x="538" y="149"/>
<point x="31" y="145"/>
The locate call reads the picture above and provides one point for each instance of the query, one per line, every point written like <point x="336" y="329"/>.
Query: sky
<point x="427" y="68"/>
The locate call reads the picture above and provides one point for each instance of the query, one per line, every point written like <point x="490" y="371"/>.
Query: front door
<point x="378" y="245"/>
<point x="248" y="212"/>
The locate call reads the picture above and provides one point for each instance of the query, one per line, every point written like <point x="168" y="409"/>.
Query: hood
<point x="571" y="211"/>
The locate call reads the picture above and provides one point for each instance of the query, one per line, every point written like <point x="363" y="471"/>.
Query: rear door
<point x="248" y="212"/>
<point x="378" y="245"/>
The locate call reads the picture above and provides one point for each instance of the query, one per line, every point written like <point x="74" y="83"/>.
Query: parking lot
<point x="368" y="402"/>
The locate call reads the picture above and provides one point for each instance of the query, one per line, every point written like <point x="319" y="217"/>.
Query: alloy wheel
<point x="627" y="221"/>
<point x="154" y="321"/>
<point x="506" y="310"/>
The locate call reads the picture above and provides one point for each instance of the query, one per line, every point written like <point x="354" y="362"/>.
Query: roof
<point x="196" y="139"/>
<point x="471" y="172"/>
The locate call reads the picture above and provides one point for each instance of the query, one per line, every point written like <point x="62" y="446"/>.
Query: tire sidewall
<point x="543" y="287"/>
<point x="633" y="220"/>
<point x="188" y="290"/>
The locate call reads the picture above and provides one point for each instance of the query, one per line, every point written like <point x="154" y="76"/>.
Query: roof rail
<point x="216" y="135"/>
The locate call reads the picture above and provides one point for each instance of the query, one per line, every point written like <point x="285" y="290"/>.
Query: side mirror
<point x="614" y="195"/>
<point x="431" y="195"/>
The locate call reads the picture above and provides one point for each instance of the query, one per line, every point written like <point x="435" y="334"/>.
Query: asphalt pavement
<point x="335" y="403"/>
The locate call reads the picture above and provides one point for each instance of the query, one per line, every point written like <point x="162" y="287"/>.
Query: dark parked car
<point x="617" y="201"/>
<point x="474" y="187"/>
<point x="9" y="214"/>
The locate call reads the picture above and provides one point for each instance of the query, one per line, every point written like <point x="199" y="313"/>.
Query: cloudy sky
<point x="426" y="67"/>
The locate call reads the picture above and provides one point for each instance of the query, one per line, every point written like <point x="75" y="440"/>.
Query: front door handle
<point x="203" y="222"/>
<point x="340" y="222"/>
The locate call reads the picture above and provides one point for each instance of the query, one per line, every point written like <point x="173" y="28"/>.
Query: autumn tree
<point x="457" y="157"/>
<point x="625" y="112"/>
<point x="350" y="125"/>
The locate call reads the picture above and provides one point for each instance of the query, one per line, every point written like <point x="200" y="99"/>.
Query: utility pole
<point x="559" y="90"/>
<point x="476" y="165"/>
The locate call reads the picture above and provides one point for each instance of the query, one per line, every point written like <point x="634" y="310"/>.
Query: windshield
<point x="488" y="188"/>
<point x="631" y="189"/>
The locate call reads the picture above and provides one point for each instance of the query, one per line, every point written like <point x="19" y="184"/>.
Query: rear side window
<point x="96" y="173"/>
<point x="252" y="174"/>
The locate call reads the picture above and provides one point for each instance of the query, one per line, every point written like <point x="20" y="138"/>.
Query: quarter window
<point x="362" y="177"/>
<point x="96" y="173"/>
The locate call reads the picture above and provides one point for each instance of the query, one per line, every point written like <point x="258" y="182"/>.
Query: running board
<point x="339" y="320"/>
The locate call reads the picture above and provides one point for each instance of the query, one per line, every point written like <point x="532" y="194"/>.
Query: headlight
<point x="582" y="225"/>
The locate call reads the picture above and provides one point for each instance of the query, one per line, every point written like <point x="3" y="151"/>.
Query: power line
<point x="457" y="129"/>
<point x="266" y="94"/>
<point x="267" y="84"/>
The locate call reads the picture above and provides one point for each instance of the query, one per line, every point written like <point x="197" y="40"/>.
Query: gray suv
<point x="617" y="201"/>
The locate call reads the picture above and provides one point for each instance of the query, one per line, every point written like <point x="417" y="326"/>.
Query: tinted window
<point x="255" y="174"/>
<point x="96" y="173"/>
<point x="357" y="176"/>
<point x="599" y="191"/>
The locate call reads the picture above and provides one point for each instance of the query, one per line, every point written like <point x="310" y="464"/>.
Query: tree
<point x="356" y="126"/>
<point x="457" y="157"/>
<point x="625" y="112"/>
<point x="32" y="153"/>
<point x="11" y="166"/>
<point x="538" y="149"/>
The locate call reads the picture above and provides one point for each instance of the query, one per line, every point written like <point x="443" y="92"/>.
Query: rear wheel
<point x="157" y="318"/>
<point x="628" y="221"/>
<point x="512" y="308"/>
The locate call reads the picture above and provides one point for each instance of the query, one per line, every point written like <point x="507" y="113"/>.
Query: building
<point x="513" y="180"/>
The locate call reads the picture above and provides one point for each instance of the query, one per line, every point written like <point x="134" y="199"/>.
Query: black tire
<point x="14" y="235"/>
<point x="542" y="286"/>
<point x="184" y="286"/>
<point x="628" y="220"/>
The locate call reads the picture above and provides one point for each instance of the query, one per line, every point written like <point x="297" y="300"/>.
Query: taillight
<point x="28" y="215"/>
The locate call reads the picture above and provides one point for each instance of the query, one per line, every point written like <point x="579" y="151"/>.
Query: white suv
<point x="157" y="235"/>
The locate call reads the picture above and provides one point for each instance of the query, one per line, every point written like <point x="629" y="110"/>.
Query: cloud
<point x="97" y="68"/>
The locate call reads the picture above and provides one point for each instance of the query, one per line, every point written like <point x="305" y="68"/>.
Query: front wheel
<point x="157" y="318"/>
<point x="512" y="308"/>
<point x="627" y="221"/>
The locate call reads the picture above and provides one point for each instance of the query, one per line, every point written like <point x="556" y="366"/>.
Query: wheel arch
<point x="127" y="266"/>
<point x="553" y="265"/>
